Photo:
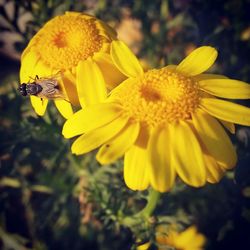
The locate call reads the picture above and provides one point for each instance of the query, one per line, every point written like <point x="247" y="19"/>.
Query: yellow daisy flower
<point x="71" y="45"/>
<point x="189" y="239"/>
<point x="166" y="122"/>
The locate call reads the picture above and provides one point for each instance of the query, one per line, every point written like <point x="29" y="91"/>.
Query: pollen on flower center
<point x="159" y="96"/>
<point x="60" y="40"/>
<point x="68" y="39"/>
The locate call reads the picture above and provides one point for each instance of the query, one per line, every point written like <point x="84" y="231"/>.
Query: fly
<point x="43" y="87"/>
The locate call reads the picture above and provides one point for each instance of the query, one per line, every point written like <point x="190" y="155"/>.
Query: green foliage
<point x="51" y="199"/>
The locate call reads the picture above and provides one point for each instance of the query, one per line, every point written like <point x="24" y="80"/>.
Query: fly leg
<point x="67" y="101"/>
<point x="34" y="79"/>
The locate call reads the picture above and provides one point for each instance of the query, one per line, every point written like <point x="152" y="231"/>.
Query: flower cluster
<point x="166" y="122"/>
<point x="72" y="45"/>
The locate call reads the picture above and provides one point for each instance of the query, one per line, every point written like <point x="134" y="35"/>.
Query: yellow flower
<point x="144" y="246"/>
<point x="169" y="238"/>
<point x="166" y="121"/>
<point x="71" y="44"/>
<point x="189" y="239"/>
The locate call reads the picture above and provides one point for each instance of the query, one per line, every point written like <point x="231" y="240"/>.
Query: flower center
<point x="68" y="39"/>
<point x="159" y="96"/>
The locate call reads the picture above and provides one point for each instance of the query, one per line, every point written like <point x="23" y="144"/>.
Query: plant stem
<point x="146" y="212"/>
<point x="151" y="205"/>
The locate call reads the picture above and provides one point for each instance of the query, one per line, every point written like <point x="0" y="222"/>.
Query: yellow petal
<point x="136" y="168"/>
<point x="28" y="64"/>
<point x="90" y="118"/>
<point x="38" y="104"/>
<point x="227" y="111"/>
<point x="42" y="70"/>
<point x="117" y="146"/>
<point x="64" y="108"/>
<point x="198" y="61"/>
<point x="116" y="90"/>
<point x="69" y="84"/>
<point x="111" y="74"/>
<point x="105" y="47"/>
<point x="226" y="88"/>
<point x="95" y="138"/>
<point x="90" y="83"/>
<point x="190" y="238"/>
<point x="215" y="139"/>
<point x="229" y="126"/>
<point x="144" y="246"/>
<point x="214" y="171"/>
<point x="106" y="30"/>
<point x="202" y="77"/>
<point x="125" y="60"/>
<point x="143" y="137"/>
<point x="187" y="155"/>
<point x="186" y="237"/>
<point x="26" y="50"/>
<point x="161" y="171"/>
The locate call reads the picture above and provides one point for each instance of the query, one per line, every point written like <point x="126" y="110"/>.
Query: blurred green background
<point x="50" y="199"/>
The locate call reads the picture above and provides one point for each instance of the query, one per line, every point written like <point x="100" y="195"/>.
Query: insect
<point x="43" y="87"/>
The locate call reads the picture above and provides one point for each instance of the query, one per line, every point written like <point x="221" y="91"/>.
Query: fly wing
<point x="57" y="95"/>
<point x="54" y="79"/>
<point x="50" y="89"/>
